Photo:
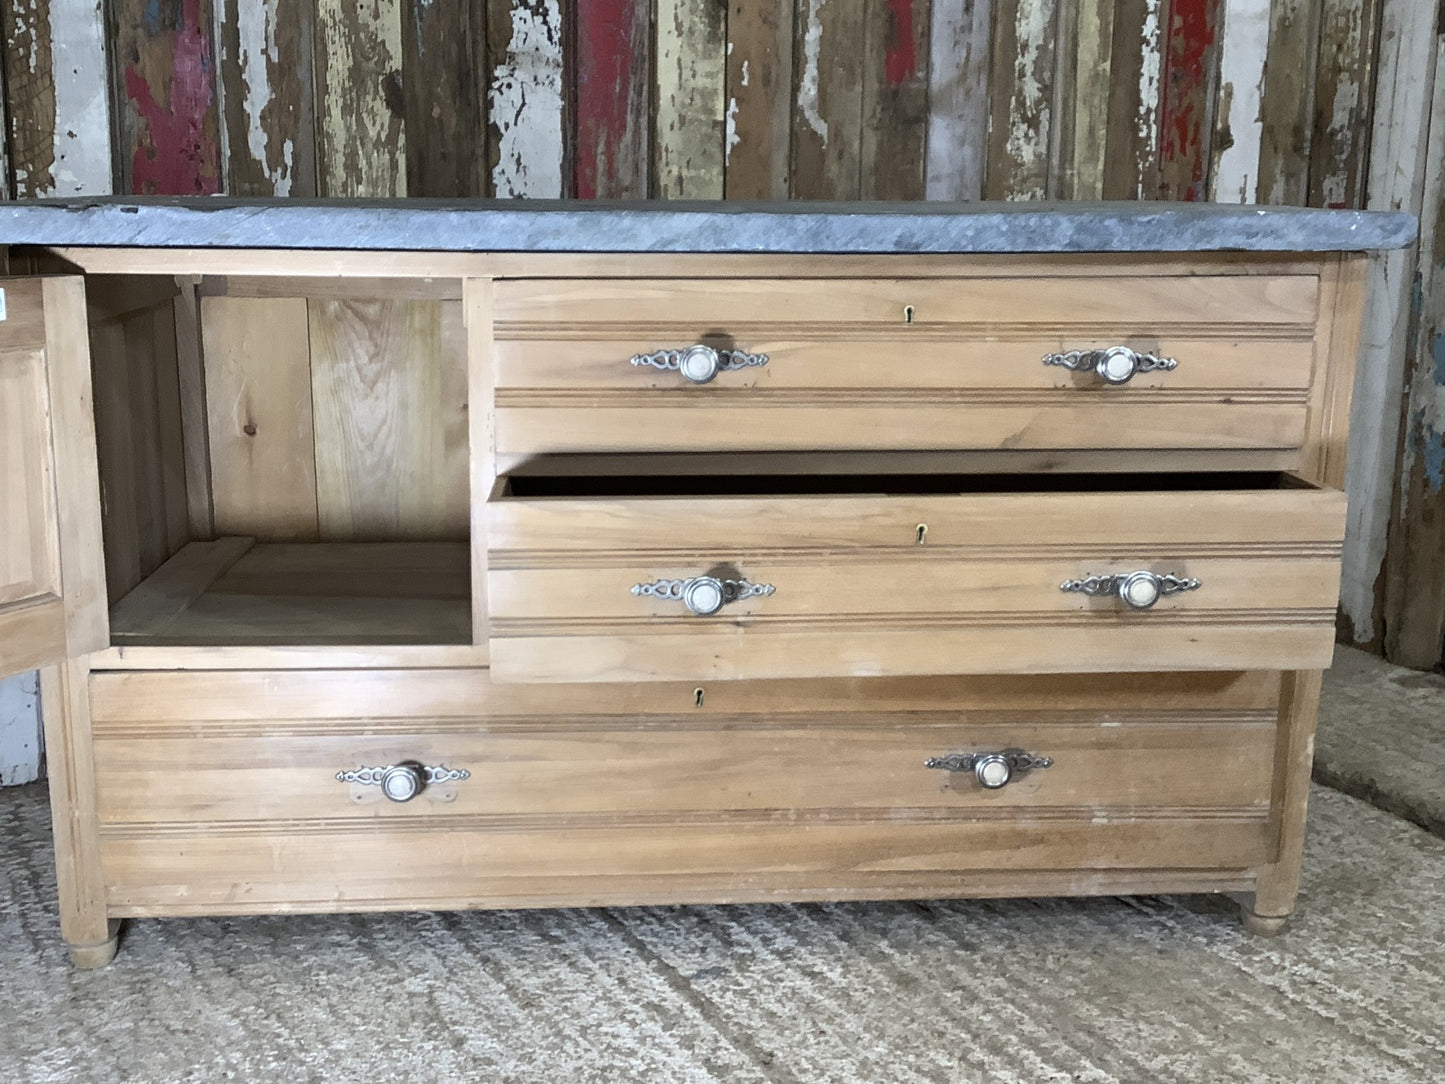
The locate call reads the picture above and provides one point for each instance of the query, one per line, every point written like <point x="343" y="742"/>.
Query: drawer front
<point x="903" y="364"/>
<point x="228" y="798"/>
<point x="588" y="590"/>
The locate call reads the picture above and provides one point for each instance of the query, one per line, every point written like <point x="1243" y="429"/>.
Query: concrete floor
<point x="1111" y="989"/>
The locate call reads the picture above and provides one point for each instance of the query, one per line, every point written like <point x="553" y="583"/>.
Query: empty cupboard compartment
<point x="282" y="461"/>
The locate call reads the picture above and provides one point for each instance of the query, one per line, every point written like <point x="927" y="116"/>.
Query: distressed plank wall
<point x="1325" y="102"/>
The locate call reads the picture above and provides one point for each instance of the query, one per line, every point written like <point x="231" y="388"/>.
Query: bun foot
<point x="1263" y="925"/>
<point x="89" y="957"/>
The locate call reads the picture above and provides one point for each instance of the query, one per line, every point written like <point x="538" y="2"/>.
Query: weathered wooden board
<point x="443" y="44"/>
<point x="1024" y="39"/>
<point x="1082" y="125"/>
<point x="1415" y="564"/>
<point x="388" y="392"/>
<point x="360" y="115"/>
<point x="1344" y="95"/>
<point x="690" y="107"/>
<point x="957" y="147"/>
<point x="759" y="100"/>
<point x="168" y="126"/>
<point x="1187" y="99"/>
<point x="1288" y="101"/>
<point x="828" y="100"/>
<point x="58" y="98"/>
<point x="268" y="109"/>
<point x="1399" y="138"/>
<point x="610" y="144"/>
<point x="1244" y="45"/>
<point x="1132" y="165"/>
<point x="895" y="99"/>
<point x="525" y="111"/>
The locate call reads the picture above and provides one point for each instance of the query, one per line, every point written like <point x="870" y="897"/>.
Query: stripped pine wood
<point x="1187" y="98"/>
<point x="1132" y="163"/>
<point x="689" y="118"/>
<point x="613" y="120"/>
<point x="360" y="120"/>
<point x="1025" y="36"/>
<point x="895" y="99"/>
<point x="828" y="110"/>
<point x="1287" y="102"/>
<point x="958" y="99"/>
<point x="389" y="407"/>
<point x="759" y="100"/>
<point x="1405" y="88"/>
<point x="57" y="98"/>
<point x="1083" y="117"/>
<point x="1344" y="96"/>
<point x="268" y="109"/>
<point x="258" y="408"/>
<point x="1244" y="45"/>
<point x="525" y="122"/>
<point x="1415" y="562"/>
<point x="168" y="126"/>
<point x="444" y="49"/>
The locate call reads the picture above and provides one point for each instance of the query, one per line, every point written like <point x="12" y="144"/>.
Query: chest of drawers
<point x="473" y="556"/>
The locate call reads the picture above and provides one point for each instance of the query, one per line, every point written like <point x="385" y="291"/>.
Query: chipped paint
<point x="691" y="129"/>
<point x="957" y="99"/>
<point x="1026" y="146"/>
<point x="525" y="102"/>
<point x="612" y="100"/>
<point x="362" y="148"/>
<point x="1146" y="120"/>
<point x="176" y="152"/>
<point x="1244" y="47"/>
<point x="732" y="139"/>
<point x="900" y="56"/>
<point x="257" y="55"/>
<point x="808" y="81"/>
<point x="1183" y="112"/>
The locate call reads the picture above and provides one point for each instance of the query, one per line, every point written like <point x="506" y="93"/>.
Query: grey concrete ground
<point x="1153" y="989"/>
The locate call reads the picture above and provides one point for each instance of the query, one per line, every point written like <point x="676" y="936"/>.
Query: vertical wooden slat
<point x="1132" y="165"/>
<point x="361" y="141"/>
<point x="691" y="87"/>
<point x="610" y="150"/>
<point x="1187" y="99"/>
<point x="267" y="107"/>
<point x="443" y="45"/>
<point x="525" y="114"/>
<point x="1025" y="37"/>
<point x="895" y="99"/>
<point x="1083" y="100"/>
<point x="1288" y="102"/>
<point x="828" y="114"/>
<point x="168" y="139"/>
<point x="759" y="100"/>
<point x="1244" y="43"/>
<point x="1415" y="561"/>
<point x="1344" y="95"/>
<point x="958" y="99"/>
<point x="1404" y="88"/>
<point x="58" y="98"/>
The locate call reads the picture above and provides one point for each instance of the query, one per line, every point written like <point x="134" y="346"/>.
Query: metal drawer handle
<point x="703" y="595"/>
<point x="992" y="770"/>
<point x="1117" y="364"/>
<point x="402" y="782"/>
<point x="1138" y="589"/>
<point x="700" y="363"/>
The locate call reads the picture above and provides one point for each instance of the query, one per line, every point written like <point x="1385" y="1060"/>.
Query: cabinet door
<point x="52" y="573"/>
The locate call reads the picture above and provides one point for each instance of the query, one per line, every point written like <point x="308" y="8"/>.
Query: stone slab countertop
<point x="425" y="225"/>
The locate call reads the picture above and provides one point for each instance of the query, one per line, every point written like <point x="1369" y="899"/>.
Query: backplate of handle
<point x="703" y="595"/>
<point x="403" y="781"/>
<point x="1139" y="590"/>
<point x="993" y="770"/>
<point x="700" y="363"/>
<point x="1114" y="365"/>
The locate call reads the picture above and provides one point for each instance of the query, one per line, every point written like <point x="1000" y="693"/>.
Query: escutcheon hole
<point x="697" y="698"/>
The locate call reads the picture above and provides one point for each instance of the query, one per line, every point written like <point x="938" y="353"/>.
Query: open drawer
<point x="640" y="579"/>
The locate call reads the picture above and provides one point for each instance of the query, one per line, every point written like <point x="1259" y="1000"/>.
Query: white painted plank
<point x="1235" y="176"/>
<point x="525" y="102"/>
<point x="20" y="745"/>
<point x="690" y="127"/>
<point x="1404" y="89"/>
<point x="957" y="147"/>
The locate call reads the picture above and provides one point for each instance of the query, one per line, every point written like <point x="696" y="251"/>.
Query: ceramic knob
<point x="1118" y="365"/>
<point x="403" y="782"/>
<point x="699" y="364"/>
<point x="1140" y="589"/>
<point x="703" y="595"/>
<point x="992" y="770"/>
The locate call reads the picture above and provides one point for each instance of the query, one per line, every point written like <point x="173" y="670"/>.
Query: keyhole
<point x="908" y="314"/>
<point x="922" y="533"/>
<point x="697" y="698"/>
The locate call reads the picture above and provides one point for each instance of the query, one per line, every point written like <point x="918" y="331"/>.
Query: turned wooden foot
<point x="1262" y="925"/>
<point x="89" y="957"/>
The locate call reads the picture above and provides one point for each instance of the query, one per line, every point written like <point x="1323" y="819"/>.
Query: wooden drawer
<point x="903" y="364"/>
<point x="217" y="791"/>
<point x="872" y="585"/>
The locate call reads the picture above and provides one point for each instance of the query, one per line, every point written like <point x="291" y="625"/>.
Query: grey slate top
<point x="423" y="225"/>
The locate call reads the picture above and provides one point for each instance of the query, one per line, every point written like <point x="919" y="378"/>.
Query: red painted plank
<point x="1185" y="123"/>
<point x="169" y="84"/>
<point x="612" y="83"/>
<point x="900" y="57"/>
